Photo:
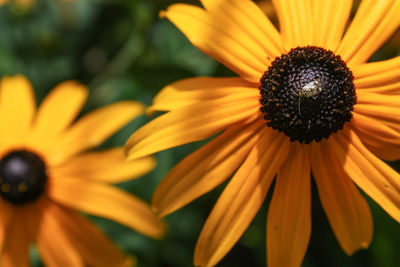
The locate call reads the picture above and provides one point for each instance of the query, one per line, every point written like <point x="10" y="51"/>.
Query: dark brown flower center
<point x="308" y="94"/>
<point x="22" y="177"/>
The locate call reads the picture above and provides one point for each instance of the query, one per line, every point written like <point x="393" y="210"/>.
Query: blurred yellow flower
<point x="22" y="3"/>
<point x="26" y="3"/>
<point x="305" y="102"/>
<point x="47" y="175"/>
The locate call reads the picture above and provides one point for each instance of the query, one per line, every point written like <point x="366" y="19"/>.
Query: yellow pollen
<point x="22" y="187"/>
<point x="5" y="188"/>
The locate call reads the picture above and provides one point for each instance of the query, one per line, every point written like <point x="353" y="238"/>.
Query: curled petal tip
<point x="162" y="14"/>
<point x="150" y="111"/>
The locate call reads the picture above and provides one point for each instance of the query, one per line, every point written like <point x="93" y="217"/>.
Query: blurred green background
<point x="121" y="50"/>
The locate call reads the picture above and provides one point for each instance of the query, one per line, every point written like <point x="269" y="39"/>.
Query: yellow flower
<point x="47" y="175"/>
<point x="305" y="102"/>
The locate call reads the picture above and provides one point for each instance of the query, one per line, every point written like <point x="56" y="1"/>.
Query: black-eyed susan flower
<point x="48" y="174"/>
<point x="305" y="102"/>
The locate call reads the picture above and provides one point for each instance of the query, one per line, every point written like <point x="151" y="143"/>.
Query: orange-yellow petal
<point x="241" y="199"/>
<point x="56" y="112"/>
<point x="347" y="210"/>
<point x="17" y="108"/>
<point x="221" y="39"/>
<point x="296" y="22"/>
<point x="388" y="89"/>
<point x="192" y="123"/>
<point x="382" y="140"/>
<point x="16" y="245"/>
<point x="377" y="74"/>
<point x="32" y="214"/>
<point x="93" y="246"/>
<point x="383" y="108"/>
<point x="371" y="174"/>
<point x="289" y="214"/>
<point x="6" y="215"/>
<point x="187" y="92"/>
<point x="108" y="202"/>
<point x="94" y="128"/>
<point x="206" y="168"/>
<point x="53" y="243"/>
<point x="330" y="17"/>
<point x="382" y="149"/>
<point x="108" y="166"/>
<point x="247" y="16"/>
<point x="380" y="100"/>
<point x="374" y="22"/>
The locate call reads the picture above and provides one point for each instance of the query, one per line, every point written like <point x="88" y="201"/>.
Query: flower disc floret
<point x="22" y="177"/>
<point x="308" y="94"/>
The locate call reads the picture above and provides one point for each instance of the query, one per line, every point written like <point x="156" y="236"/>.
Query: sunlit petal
<point x="374" y="22"/>
<point x="192" y="123"/>
<point x="17" y="109"/>
<point x="108" y="166"/>
<point x="289" y="214"/>
<point x="206" y="168"/>
<point x="94" y="198"/>
<point x="241" y="199"/>
<point x="224" y="41"/>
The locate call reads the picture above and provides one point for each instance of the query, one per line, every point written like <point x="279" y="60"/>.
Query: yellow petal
<point x="16" y="246"/>
<point x="108" y="166"/>
<point x="108" y="202"/>
<point x="241" y="199"/>
<point x="296" y="22"/>
<point x="384" y="114"/>
<point x="384" y="108"/>
<point x="94" y="128"/>
<point x="17" y="108"/>
<point x="388" y="89"/>
<point x="330" y="17"/>
<point x="206" y="168"/>
<point x="374" y="22"/>
<point x="377" y="74"/>
<point x="94" y="247"/>
<point x="378" y="137"/>
<point x="57" y="111"/>
<point x="347" y="210"/>
<point x="189" y="91"/>
<point x="289" y="214"/>
<point x="192" y="123"/>
<point x="247" y="16"/>
<point x="228" y="44"/>
<point x="380" y="100"/>
<point x="53" y="242"/>
<point x="372" y="175"/>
